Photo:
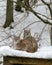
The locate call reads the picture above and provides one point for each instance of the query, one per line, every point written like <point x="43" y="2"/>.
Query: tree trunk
<point x="18" y="7"/>
<point x="51" y="18"/>
<point x="51" y="35"/>
<point x="9" y="13"/>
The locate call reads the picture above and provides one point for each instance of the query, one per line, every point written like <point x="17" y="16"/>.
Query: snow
<point x="44" y="52"/>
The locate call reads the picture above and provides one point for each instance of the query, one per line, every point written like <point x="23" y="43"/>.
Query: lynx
<point x="28" y="44"/>
<point x="16" y="40"/>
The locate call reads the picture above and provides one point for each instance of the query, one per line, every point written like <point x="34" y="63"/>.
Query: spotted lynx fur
<point x="28" y="44"/>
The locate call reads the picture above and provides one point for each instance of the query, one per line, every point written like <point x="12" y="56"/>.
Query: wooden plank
<point x="25" y="60"/>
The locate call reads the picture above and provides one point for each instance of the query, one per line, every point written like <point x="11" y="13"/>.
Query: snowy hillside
<point x="25" y="21"/>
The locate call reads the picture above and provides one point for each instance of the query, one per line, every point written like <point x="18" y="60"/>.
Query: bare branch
<point x="44" y="21"/>
<point x="39" y="38"/>
<point x="44" y="16"/>
<point x="44" y="2"/>
<point x="48" y="5"/>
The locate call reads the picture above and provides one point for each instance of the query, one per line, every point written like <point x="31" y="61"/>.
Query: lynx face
<point x="16" y="40"/>
<point x="27" y="33"/>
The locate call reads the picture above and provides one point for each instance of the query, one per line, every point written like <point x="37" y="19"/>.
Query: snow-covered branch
<point x="44" y="21"/>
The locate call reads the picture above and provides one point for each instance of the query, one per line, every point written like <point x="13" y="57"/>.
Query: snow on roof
<point x="44" y="52"/>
